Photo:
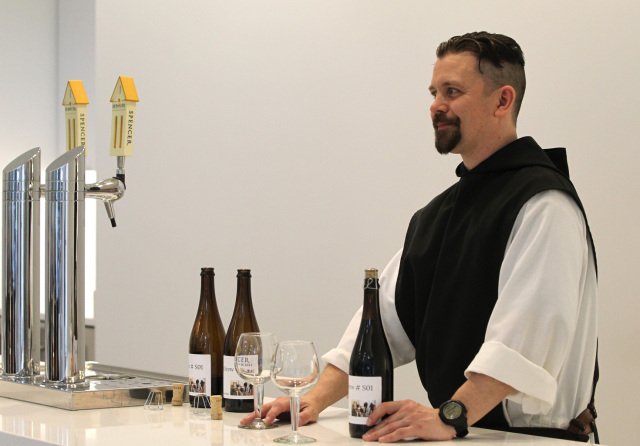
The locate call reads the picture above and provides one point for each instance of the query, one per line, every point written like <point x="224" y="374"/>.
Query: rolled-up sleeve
<point x="533" y="324"/>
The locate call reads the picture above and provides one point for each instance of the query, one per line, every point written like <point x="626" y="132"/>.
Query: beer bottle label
<point x="365" y="394"/>
<point x="199" y="374"/>
<point x="234" y="386"/>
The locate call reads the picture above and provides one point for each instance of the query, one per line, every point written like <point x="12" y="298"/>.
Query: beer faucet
<point x="108" y="191"/>
<point x="123" y="110"/>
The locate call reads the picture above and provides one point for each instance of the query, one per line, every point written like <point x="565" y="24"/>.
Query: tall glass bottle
<point x="238" y="394"/>
<point x="206" y="343"/>
<point x="371" y="365"/>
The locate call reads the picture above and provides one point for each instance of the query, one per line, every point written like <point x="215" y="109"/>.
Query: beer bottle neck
<point x="243" y="295"/>
<point x="371" y="308"/>
<point x="207" y="291"/>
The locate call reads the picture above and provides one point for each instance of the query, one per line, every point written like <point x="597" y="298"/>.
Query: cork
<point x="216" y="407"/>
<point x="178" y="394"/>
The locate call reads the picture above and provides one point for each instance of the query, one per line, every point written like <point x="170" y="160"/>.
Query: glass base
<point x="295" y="438"/>
<point x="258" y="426"/>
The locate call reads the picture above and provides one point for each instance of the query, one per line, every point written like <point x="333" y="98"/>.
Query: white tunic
<point x="541" y="338"/>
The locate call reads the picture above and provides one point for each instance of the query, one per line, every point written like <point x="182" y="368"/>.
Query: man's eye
<point x="452" y="91"/>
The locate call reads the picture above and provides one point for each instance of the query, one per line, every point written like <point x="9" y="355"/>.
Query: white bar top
<point x="31" y="424"/>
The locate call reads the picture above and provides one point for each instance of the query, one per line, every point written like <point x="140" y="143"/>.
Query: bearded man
<point x="494" y="291"/>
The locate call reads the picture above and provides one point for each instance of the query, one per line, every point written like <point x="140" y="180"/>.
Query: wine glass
<point x="295" y="368"/>
<point x="254" y="357"/>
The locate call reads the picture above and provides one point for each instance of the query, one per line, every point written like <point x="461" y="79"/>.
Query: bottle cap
<point x="207" y="271"/>
<point x="244" y="273"/>
<point x="371" y="273"/>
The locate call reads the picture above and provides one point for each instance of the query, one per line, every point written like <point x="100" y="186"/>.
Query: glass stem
<point x="258" y="398"/>
<point x="295" y="412"/>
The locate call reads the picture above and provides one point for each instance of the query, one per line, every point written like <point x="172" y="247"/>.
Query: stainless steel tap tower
<point x="64" y="268"/>
<point x="65" y="192"/>
<point x="21" y="266"/>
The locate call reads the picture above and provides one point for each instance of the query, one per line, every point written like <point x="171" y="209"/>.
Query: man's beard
<point x="447" y="139"/>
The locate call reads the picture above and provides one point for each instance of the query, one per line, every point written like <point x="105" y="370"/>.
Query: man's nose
<point x="438" y="106"/>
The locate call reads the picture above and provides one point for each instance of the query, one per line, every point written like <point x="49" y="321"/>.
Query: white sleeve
<point x="401" y="348"/>
<point x="533" y="325"/>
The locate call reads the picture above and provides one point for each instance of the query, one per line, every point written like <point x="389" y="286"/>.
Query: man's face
<point x="461" y="108"/>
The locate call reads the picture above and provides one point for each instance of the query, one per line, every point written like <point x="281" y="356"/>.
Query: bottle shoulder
<point x="207" y="334"/>
<point x="371" y="347"/>
<point x="237" y="326"/>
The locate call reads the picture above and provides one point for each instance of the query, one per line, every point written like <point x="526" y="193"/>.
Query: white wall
<point x="28" y="57"/>
<point x="293" y="138"/>
<point x="77" y="60"/>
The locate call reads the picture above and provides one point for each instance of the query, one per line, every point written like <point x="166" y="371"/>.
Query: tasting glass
<point x="294" y="370"/>
<point x="254" y="358"/>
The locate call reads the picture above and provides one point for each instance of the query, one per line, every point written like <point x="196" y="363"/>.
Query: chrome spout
<point x="108" y="191"/>
<point x="64" y="264"/>
<point x="21" y="266"/>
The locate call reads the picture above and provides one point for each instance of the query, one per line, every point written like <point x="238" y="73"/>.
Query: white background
<point x="293" y="138"/>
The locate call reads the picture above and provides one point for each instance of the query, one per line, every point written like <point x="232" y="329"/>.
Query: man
<point x="494" y="291"/>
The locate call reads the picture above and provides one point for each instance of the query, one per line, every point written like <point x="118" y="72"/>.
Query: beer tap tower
<point x="65" y="381"/>
<point x="64" y="191"/>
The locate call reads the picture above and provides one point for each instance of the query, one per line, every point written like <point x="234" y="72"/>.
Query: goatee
<point x="447" y="139"/>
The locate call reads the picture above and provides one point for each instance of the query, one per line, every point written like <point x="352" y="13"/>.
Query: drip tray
<point x="108" y="386"/>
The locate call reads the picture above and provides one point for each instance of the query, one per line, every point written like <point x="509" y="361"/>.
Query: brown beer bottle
<point x="371" y="364"/>
<point x="238" y="394"/>
<point x="206" y="343"/>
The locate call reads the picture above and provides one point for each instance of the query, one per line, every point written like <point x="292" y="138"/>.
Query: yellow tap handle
<point x="123" y="117"/>
<point x="75" y="114"/>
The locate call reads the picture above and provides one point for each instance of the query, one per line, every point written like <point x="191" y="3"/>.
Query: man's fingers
<point x="383" y="429"/>
<point x="308" y="414"/>
<point x="305" y="417"/>
<point x="388" y="408"/>
<point x="279" y="408"/>
<point x="398" y="434"/>
<point x="248" y="419"/>
<point x="271" y="410"/>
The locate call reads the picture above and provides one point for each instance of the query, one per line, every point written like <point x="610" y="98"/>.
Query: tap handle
<point x="75" y="115"/>
<point x="123" y="117"/>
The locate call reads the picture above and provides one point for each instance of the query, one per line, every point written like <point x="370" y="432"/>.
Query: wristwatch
<point x="453" y="413"/>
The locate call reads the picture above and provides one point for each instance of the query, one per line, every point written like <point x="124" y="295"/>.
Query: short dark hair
<point x="500" y="60"/>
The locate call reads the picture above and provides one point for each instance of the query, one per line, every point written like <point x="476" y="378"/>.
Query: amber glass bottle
<point x="206" y="343"/>
<point x="238" y="394"/>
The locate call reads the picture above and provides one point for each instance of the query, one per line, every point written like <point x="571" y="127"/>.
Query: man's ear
<point x="506" y="100"/>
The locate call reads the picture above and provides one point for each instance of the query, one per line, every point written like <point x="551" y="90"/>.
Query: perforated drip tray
<point x="107" y="386"/>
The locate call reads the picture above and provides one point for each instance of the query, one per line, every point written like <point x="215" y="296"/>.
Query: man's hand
<point x="407" y="419"/>
<point x="332" y="385"/>
<point x="308" y="411"/>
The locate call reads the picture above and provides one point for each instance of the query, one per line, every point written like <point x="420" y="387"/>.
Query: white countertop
<point x="31" y="424"/>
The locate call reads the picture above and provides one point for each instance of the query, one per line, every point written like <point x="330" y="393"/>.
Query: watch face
<point x="452" y="411"/>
